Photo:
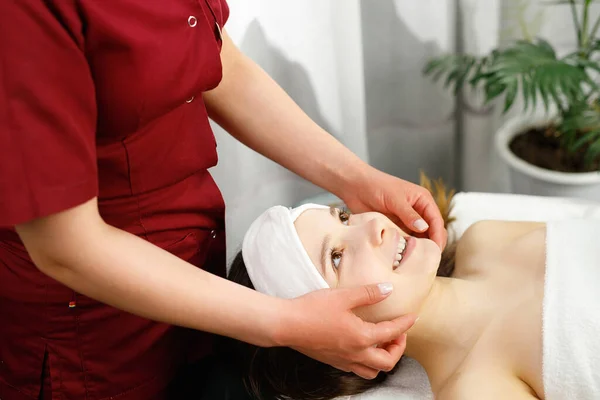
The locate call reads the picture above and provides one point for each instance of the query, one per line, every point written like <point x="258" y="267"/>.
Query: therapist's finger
<point x="426" y="207"/>
<point x="409" y="216"/>
<point x="380" y="359"/>
<point x="384" y="359"/>
<point x="396" y="347"/>
<point x="364" y="372"/>
<point x="388" y="331"/>
<point x="438" y="233"/>
<point x="364" y="295"/>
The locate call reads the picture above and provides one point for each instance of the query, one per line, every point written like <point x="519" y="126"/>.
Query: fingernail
<point x="385" y="288"/>
<point x="420" y="225"/>
<point x="416" y="320"/>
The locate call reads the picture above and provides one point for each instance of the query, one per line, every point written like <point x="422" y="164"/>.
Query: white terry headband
<point x="277" y="263"/>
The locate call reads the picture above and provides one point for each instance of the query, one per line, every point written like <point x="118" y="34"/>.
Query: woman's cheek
<point x="368" y="270"/>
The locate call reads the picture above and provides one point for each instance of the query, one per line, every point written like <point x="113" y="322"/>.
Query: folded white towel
<point x="571" y="337"/>
<point x="470" y="207"/>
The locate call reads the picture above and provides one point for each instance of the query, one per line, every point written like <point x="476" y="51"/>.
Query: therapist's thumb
<point x="369" y="294"/>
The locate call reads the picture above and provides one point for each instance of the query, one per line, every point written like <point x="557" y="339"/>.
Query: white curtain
<point x="355" y="68"/>
<point x="312" y="48"/>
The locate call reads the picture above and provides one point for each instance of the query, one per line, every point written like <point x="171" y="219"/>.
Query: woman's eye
<point x="344" y="217"/>
<point x="336" y="258"/>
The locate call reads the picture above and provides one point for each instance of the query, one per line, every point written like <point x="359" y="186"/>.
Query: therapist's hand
<point x="410" y="206"/>
<point x="322" y="325"/>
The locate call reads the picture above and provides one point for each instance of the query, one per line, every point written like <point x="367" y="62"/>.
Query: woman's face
<point x="355" y="250"/>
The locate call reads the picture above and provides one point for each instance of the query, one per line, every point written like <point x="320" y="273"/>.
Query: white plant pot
<point x="526" y="178"/>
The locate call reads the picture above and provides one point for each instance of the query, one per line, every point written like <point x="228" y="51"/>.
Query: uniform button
<point x="213" y="234"/>
<point x="190" y="99"/>
<point x="192" y="21"/>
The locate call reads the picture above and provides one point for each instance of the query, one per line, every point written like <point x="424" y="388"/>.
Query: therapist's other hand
<point x="410" y="206"/>
<point x="323" y="326"/>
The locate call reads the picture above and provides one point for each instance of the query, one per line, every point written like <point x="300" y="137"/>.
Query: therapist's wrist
<point x="349" y="177"/>
<point x="352" y="183"/>
<point x="285" y="325"/>
<point x="278" y="323"/>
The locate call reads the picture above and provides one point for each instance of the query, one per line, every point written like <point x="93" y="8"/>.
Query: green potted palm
<point x="553" y="146"/>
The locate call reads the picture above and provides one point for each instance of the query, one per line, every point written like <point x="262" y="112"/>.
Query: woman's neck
<point x="450" y="322"/>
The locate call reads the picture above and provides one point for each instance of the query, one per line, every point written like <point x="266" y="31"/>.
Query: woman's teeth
<point x="400" y="253"/>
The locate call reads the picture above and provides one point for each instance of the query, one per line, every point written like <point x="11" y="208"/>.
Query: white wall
<point x="409" y="119"/>
<point x="480" y="32"/>
<point x="312" y="49"/>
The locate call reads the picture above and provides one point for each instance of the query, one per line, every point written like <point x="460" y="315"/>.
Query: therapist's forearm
<point x="117" y="268"/>
<point x="253" y="108"/>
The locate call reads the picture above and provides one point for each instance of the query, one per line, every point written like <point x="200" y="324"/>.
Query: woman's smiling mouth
<point x="400" y="252"/>
<point x="405" y="247"/>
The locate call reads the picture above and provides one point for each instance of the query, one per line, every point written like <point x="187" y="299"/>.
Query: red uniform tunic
<point x="104" y="98"/>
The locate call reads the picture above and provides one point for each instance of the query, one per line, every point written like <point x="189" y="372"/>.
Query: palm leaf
<point x="529" y="92"/>
<point x="594" y="46"/>
<point x="592" y="153"/>
<point x="546" y="47"/>
<point x="585" y="63"/>
<point x="543" y="87"/>
<point x="581" y="126"/>
<point x="511" y="93"/>
<point x="531" y="68"/>
<point x="554" y="79"/>
<point x="457" y="68"/>
<point x="592" y="136"/>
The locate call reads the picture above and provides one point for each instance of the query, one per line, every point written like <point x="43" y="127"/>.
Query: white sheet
<point x="571" y="310"/>
<point x="410" y="382"/>
<point x="472" y="207"/>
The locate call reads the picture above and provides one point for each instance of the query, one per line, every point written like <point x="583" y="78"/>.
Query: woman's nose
<point x="376" y="230"/>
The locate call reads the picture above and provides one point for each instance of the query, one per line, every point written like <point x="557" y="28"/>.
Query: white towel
<point x="470" y="207"/>
<point x="409" y="382"/>
<point x="571" y="319"/>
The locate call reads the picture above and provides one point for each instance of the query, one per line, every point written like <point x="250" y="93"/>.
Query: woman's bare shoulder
<point x="489" y="235"/>
<point x="487" y="384"/>
<point x="481" y="243"/>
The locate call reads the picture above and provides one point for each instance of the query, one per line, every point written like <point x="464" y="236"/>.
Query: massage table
<point x="410" y="381"/>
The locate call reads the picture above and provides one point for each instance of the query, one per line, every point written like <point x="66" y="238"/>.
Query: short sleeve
<point x="221" y="10"/>
<point x="47" y="111"/>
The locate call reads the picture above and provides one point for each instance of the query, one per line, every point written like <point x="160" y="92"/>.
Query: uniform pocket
<point x="192" y="247"/>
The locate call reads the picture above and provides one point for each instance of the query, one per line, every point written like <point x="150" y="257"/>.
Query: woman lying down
<point x="513" y="312"/>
